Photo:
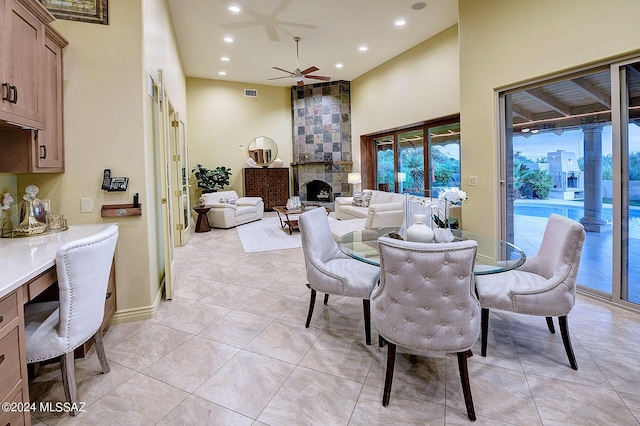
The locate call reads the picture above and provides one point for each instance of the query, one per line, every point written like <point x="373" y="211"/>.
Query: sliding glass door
<point x="571" y="146"/>
<point x="627" y="77"/>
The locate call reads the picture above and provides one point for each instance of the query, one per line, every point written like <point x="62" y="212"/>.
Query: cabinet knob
<point x="1" y="358"/>
<point x="108" y="295"/>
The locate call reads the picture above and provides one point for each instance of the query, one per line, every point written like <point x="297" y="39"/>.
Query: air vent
<point x="251" y="93"/>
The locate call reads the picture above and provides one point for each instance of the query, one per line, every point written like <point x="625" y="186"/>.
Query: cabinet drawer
<point x="9" y="362"/>
<point x="8" y="311"/>
<point x="16" y="417"/>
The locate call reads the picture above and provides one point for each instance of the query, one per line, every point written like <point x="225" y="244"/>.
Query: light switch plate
<point x="86" y="205"/>
<point x="473" y="180"/>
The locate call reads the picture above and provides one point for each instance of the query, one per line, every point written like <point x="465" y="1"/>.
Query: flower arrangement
<point x="446" y="197"/>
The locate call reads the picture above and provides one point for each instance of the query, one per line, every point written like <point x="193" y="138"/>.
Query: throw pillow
<point x="362" y="199"/>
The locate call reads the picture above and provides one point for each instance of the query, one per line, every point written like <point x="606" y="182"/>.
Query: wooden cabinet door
<point x="48" y="151"/>
<point x="22" y="99"/>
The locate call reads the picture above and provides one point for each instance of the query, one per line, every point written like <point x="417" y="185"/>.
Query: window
<point x="404" y="160"/>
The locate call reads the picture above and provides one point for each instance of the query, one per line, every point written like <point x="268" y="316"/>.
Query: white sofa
<point x="387" y="206"/>
<point x="386" y="209"/>
<point x="228" y="210"/>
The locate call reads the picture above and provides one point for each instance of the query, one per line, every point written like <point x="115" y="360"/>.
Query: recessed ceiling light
<point x="418" y="6"/>
<point x="225" y="59"/>
<point x="222" y="73"/>
<point x="228" y="39"/>
<point x="339" y="65"/>
<point x="363" y="48"/>
<point x="400" y="22"/>
<point x="234" y="8"/>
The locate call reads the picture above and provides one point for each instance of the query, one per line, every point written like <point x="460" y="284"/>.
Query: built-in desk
<point x="27" y="267"/>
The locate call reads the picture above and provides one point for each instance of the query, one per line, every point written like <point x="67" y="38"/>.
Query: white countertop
<point x="22" y="259"/>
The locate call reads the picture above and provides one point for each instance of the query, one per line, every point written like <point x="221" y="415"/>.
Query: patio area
<point x="596" y="263"/>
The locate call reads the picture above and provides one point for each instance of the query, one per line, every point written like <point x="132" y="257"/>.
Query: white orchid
<point x="453" y="195"/>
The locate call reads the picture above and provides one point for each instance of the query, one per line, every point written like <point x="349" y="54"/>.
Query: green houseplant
<point x="211" y="180"/>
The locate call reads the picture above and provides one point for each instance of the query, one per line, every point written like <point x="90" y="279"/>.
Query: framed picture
<point x="94" y="11"/>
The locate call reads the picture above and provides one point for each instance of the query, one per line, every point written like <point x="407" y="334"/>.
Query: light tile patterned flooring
<point x="231" y="349"/>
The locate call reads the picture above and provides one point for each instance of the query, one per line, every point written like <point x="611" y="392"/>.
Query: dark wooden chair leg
<point x="484" y="325"/>
<point x="466" y="388"/>
<point x="312" y="302"/>
<point x="326" y="299"/>
<point x="564" y="331"/>
<point x="366" y="305"/>
<point x="552" y="329"/>
<point x="381" y="341"/>
<point x="391" y="360"/>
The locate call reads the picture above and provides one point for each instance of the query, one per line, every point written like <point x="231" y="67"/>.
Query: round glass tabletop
<point x="494" y="255"/>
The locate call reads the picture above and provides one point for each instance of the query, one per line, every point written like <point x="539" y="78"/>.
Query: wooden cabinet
<point x="14" y="385"/>
<point x="42" y="150"/>
<point x="22" y="45"/>
<point x="272" y="184"/>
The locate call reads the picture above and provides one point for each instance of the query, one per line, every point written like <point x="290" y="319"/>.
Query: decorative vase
<point x="419" y="232"/>
<point x="443" y="235"/>
<point x="293" y="203"/>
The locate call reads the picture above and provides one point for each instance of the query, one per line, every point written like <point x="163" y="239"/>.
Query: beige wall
<point x="221" y="118"/>
<point x="107" y="125"/>
<point x="504" y="42"/>
<point x="419" y="84"/>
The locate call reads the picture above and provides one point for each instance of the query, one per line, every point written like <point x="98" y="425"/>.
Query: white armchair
<point x="425" y="302"/>
<point x="545" y="285"/>
<point x="228" y="210"/>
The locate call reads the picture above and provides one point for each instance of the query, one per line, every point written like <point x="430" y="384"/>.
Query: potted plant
<point x="211" y="180"/>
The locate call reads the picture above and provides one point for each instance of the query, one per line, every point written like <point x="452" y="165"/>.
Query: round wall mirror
<point x="263" y="150"/>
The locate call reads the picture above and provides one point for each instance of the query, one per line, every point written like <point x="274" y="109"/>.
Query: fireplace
<point x="321" y="141"/>
<point x="320" y="191"/>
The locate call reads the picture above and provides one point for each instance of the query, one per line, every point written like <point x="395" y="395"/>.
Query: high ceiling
<point x="331" y="32"/>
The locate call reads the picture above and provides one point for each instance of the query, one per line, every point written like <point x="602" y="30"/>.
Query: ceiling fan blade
<point x="278" y="78"/>
<point x="318" y="77"/>
<point x="283" y="70"/>
<point x="308" y="70"/>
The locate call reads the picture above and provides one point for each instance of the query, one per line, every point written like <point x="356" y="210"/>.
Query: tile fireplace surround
<point x="321" y="138"/>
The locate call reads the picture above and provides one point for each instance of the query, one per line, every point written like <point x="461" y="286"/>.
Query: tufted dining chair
<point x="545" y="285"/>
<point x="425" y="302"/>
<point x="329" y="270"/>
<point x="56" y="329"/>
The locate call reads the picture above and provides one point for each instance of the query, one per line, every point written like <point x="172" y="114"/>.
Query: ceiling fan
<point x="298" y="75"/>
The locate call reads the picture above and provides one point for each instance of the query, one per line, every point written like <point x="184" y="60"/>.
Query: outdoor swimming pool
<point x="574" y="212"/>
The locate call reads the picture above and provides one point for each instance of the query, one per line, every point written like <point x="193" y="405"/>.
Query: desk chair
<point x="331" y="271"/>
<point x="425" y="302"/>
<point x="56" y="329"/>
<point x="544" y="285"/>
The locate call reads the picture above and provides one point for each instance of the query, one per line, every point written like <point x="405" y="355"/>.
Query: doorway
<point x="571" y="146"/>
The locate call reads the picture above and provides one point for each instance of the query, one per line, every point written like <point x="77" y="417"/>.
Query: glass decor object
<point x="33" y="215"/>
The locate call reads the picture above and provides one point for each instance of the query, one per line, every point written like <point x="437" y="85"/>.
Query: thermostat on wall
<point x="251" y="93"/>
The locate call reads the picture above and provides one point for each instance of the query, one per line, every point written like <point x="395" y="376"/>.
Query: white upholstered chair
<point x="545" y="285"/>
<point x="425" y="302"/>
<point x="56" y="329"/>
<point x="329" y="270"/>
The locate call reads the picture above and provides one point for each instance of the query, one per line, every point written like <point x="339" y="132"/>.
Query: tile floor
<point x="231" y="349"/>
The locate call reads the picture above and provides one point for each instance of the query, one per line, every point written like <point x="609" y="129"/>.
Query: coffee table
<point x="292" y="222"/>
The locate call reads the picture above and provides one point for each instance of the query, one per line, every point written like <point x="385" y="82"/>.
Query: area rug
<point x="266" y="235"/>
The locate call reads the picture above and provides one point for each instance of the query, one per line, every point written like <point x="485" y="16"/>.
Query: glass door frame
<point x="619" y="126"/>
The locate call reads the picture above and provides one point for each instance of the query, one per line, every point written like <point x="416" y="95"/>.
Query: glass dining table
<point x="494" y="255"/>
